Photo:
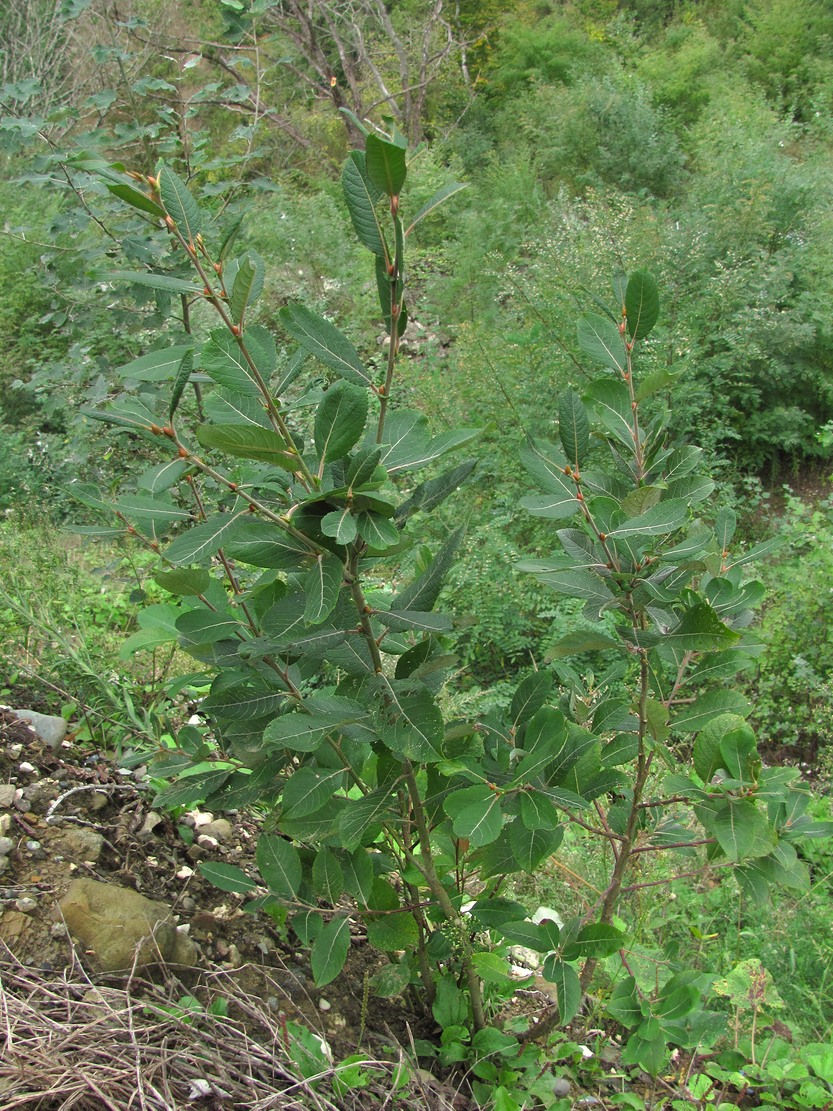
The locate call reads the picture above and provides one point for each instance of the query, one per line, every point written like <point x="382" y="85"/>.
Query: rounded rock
<point x="220" y="829"/>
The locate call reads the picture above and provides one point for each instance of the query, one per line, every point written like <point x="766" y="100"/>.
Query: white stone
<point x="50" y="729"/>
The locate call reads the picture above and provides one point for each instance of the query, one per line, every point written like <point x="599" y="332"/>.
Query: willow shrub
<point x="285" y="507"/>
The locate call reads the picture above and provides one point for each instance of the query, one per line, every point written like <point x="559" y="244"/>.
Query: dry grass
<point x="74" y="1043"/>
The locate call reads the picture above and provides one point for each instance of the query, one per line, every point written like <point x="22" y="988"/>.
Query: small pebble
<point x="324" y="1004"/>
<point x="23" y="805"/>
<point x="27" y="768"/>
<point x="561" y="1087"/>
<point x="152" y="820"/>
<point x="33" y="846"/>
<point x="184" y="872"/>
<point x="15" y="750"/>
<point x="58" y="930"/>
<point x="207" y="842"/>
<point x="273" y="1003"/>
<point x="220" y="829"/>
<point x="97" y="801"/>
<point x="6" y="846"/>
<point x="188" y="904"/>
<point x="234" y="958"/>
<point x="5" y="824"/>
<point x="26" y="905"/>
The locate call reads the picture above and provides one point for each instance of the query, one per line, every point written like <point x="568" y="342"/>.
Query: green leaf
<point x="329" y="951"/>
<point x="365" y="816"/>
<point x="585" y="641"/>
<point x="321" y="587"/>
<point x="279" y="864"/>
<point x="707" y="757"/>
<point x="179" y="204"/>
<point x="223" y="406"/>
<point x="741" y="830"/>
<point x="183" y="376"/>
<point x="223" y="360"/>
<point x="264" y="545"/>
<point x="340" y="420"/>
<point x="646" y="1048"/>
<point x="623" y="1005"/>
<point x="206" y="627"/>
<point x="132" y="196"/>
<point x="538" y="457"/>
<point x="612" y="402"/>
<point x="530" y="696"/>
<point x="533" y="935"/>
<point x="242" y="702"/>
<point x="146" y="507"/>
<point x="385" y="165"/>
<point x="424" y="590"/>
<point x="492" y="969"/>
<point x="532" y="846"/>
<point x="361" y="198"/>
<point x="641" y="304"/>
<point x="323" y="340"/>
<point x="185" y="580"/>
<point x="163" y="476"/>
<point x="594" y="941"/>
<point x="362" y="466"/>
<point x="413" y="726"/>
<point x="306" y="791"/>
<point x="662" y="519"/>
<point x="248" y="286"/>
<point x="476" y="814"/>
<point x="431" y="493"/>
<point x="192" y="789"/>
<point x="227" y="877"/>
<point x="327" y="876"/>
<point x="156" y="366"/>
<point x="573" y="427"/>
<point x="567" y="986"/>
<point x="491" y="911"/>
<point x="700" y="630"/>
<point x="738" y="753"/>
<point x="165" y="282"/>
<point x="725" y="523"/>
<point x="303" y="732"/>
<point x="423" y="622"/>
<point x="340" y="525"/>
<point x="393" y="932"/>
<point x="202" y="540"/>
<point x="377" y="531"/>
<point x="358" y="874"/>
<point x="249" y="442"/>
<point x="537" y="812"/>
<point x="441" y="195"/>
<point x="599" y="338"/>
<point x="692" y="718"/>
<point x="407" y="446"/>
